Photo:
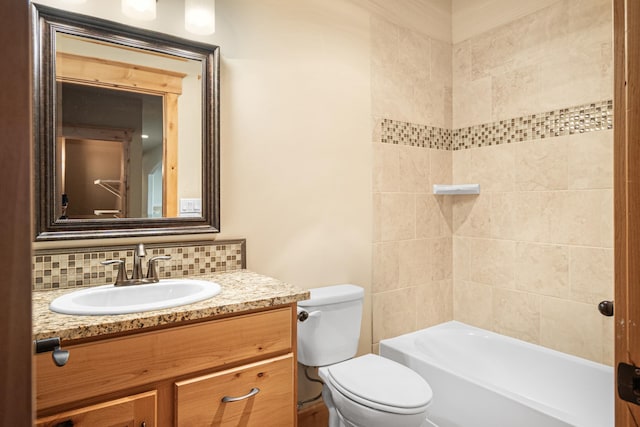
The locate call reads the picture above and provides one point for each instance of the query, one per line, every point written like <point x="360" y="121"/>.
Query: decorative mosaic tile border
<point x="71" y="268"/>
<point x="566" y="121"/>
<point x="404" y="133"/>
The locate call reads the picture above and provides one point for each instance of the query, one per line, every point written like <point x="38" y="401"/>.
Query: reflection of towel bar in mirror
<point x="113" y="212"/>
<point x="111" y="185"/>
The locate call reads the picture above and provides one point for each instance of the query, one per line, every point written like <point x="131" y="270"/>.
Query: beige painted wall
<point x="295" y="136"/>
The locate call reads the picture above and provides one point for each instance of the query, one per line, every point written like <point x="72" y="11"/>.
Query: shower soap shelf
<point x="456" y="189"/>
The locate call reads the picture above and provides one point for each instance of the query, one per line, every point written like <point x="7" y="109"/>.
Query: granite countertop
<point x="242" y="290"/>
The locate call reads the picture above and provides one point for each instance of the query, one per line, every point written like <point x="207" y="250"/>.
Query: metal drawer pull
<point x="253" y="392"/>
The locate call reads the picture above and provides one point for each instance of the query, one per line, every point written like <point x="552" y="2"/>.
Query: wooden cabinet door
<point x="264" y="393"/>
<point x="132" y="411"/>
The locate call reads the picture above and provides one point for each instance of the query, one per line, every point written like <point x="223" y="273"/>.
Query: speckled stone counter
<point x="242" y="290"/>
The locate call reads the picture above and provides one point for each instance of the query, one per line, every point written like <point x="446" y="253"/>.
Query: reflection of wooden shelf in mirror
<point x="111" y="185"/>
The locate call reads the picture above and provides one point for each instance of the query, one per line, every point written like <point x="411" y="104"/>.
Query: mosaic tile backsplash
<point x="71" y="268"/>
<point x="566" y="121"/>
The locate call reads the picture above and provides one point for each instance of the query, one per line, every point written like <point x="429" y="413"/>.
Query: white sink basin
<point x="109" y="299"/>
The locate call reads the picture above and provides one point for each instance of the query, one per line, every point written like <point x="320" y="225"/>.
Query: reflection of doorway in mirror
<point x="93" y="178"/>
<point x="157" y="91"/>
<point x="154" y="192"/>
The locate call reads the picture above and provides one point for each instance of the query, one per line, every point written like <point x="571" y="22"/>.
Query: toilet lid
<point x="382" y="384"/>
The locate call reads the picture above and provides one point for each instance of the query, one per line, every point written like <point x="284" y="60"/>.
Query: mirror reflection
<point x="126" y="127"/>
<point x="121" y="113"/>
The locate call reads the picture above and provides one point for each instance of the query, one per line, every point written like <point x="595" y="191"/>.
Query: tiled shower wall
<point x="411" y="101"/>
<point x="532" y="254"/>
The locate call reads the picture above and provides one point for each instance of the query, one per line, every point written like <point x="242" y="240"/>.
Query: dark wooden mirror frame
<point x="46" y="22"/>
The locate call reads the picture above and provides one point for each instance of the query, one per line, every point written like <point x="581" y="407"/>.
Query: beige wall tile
<point x="414" y="54"/>
<point x="441" y="167"/>
<point x="440" y="258"/>
<point x="591" y="274"/>
<point x="472" y="102"/>
<point x="414" y="169"/>
<point x="493" y="168"/>
<point x="461" y="63"/>
<point x="491" y="51"/>
<point x="542" y="164"/>
<point x="386" y="168"/>
<point x="384" y="41"/>
<point x="492" y="262"/>
<point x="542" y="269"/>
<point x="429" y="103"/>
<point x="591" y="160"/>
<point x="441" y="63"/>
<point x="434" y="303"/>
<point x="433" y="216"/>
<point x="606" y="218"/>
<point x="461" y="258"/>
<point x="572" y="327"/>
<point x="376" y="220"/>
<point x="462" y="171"/>
<point x="586" y="67"/>
<point x="518" y="216"/>
<point x="395" y="313"/>
<point x="473" y="304"/>
<point x="397" y="216"/>
<point x="386" y="262"/>
<point x="414" y="265"/>
<point x="471" y="215"/>
<point x="579" y="217"/>
<point x="515" y="93"/>
<point x="517" y="314"/>
<point x="608" y="340"/>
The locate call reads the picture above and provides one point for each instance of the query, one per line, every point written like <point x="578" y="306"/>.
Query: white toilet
<point x="366" y="391"/>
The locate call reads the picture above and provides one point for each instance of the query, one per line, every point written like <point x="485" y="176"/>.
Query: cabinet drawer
<point x="115" y="364"/>
<point x="131" y="411"/>
<point x="199" y="401"/>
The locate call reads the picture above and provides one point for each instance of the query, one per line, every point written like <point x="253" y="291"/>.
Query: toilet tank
<point x="331" y="332"/>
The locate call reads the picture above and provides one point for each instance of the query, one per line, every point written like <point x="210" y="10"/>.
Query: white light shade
<point x="75" y="1"/>
<point x="144" y="10"/>
<point x="200" y="16"/>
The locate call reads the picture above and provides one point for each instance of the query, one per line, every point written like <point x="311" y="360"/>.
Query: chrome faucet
<point x="138" y="254"/>
<point x="137" y="277"/>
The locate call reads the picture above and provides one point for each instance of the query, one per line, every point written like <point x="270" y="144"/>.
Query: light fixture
<point x="144" y="10"/>
<point x="200" y="16"/>
<point x="75" y="1"/>
<point x="144" y="136"/>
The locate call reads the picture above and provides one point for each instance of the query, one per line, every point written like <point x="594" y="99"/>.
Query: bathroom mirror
<point x="126" y="130"/>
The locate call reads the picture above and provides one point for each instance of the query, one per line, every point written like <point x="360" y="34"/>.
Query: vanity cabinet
<point x="187" y="369"/>
<point x="135" y="411"/>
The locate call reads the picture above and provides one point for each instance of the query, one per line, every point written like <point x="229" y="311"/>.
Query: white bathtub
<point x="483" y="379"/>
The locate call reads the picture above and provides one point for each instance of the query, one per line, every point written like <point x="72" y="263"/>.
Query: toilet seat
<point x="381" y="384"/>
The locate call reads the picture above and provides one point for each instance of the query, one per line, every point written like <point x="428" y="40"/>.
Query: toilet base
<point x="352" y="412"/>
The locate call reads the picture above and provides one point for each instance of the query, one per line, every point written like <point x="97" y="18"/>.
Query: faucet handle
<point x="152" y="271"/>
<point x="122" y="274"/>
